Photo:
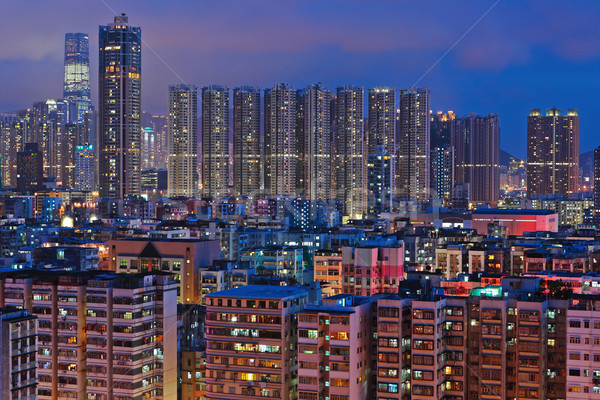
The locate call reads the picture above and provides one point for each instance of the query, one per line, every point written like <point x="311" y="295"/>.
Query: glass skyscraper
<point x="119" y="113"/>
<point x="76" y="88"/>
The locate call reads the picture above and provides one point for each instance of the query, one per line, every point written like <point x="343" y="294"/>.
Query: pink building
<point x="334" y="349"/>
<point x="370" y="270"/>
<point x="515" y="221"/>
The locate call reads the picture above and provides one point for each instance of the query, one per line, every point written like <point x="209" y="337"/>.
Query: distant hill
<point x="587" y="158"/>
<point x="506" y="157"/>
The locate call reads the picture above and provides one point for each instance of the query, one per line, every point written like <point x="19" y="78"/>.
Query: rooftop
<point x="261" y="292"/>
<point x="507" y="211"/>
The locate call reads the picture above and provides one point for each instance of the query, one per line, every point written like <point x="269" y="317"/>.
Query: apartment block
<point x="101" y="336"/>
<point x="251" y="343"/>
<point x="392" y="350"/>
<point x="182" y="257"/>
<point x="334" y="343"/>
<point x="370" y="270"/>
<point x="18" y="347"/>
<point x="328" y="271"/>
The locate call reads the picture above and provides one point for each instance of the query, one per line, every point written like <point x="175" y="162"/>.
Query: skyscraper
<point x="317" y="143"/>
<point x="183" y="141"/>
<point x="119" y="92"/>
<point x="215" y="141"/>
<point x="29" y="169"/>
<point x="148" y="148"/>
<point x="380" y="175"/>
<point x="12" y="130"/>
<point x="413" y="144"/>
<point x="597" y="184"/>
<point x="552" y="152"/>
<point x="84" y="175"/>
<point x="442" y="173"/>
<point x="76" y="90"/>
<point x="49" y="131"/>
<point x="382" y="120"/>
<point x="476" y="142"/>
<point x="280" y="141"/>
<point x="246" y="141"/>
<point x="350" y="150"/>
<point x="441" y="125"/>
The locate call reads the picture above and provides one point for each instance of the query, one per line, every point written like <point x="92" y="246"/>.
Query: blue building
<point x="76" y="89"/>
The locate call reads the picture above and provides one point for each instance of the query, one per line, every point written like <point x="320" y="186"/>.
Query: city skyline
<point x="494" y="69"/>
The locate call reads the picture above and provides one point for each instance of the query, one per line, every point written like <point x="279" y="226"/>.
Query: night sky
<point x="523" y="54"/>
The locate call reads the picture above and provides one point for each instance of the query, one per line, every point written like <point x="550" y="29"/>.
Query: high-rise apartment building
<point x="350" y="147"/>
<point x="370" y="270"/>
<point x="100" y="335"/>
<point x="281" y="147"/>
<point x="380" y="178"/>
<point x="49" y="131"/>
<point x="18" y="346"/>
<point x="148" y="151"/>
<point x="156" y="157"/>
<point x="120" y="95"/>
<point x="413" y="144"/>
<point x="317" y="143"/>
<point x="246" y="141"/>
<point x="183" y="141"/>
<point x="391" y="363"/>
<point x="334" y="352"/>
<point x="476" y="142"/>
<point x="381" y="120"/>
<point x="13" y="131"/>
<point x="251" y="342"/>
<point x="85" y="163"/>
<point x="29" y="169"/>
<point x="215" y="141"/>
<point x="552" y="152"/>
<point x="441" y="128"/>
<point x="442" y="173"/>
<point x="597" y="184"/>
<point x="76" y="89"/>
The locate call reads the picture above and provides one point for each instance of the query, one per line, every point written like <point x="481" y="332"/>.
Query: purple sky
<point x="523" y="54"/>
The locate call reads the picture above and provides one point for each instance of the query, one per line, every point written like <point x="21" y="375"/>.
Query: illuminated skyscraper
<point x="380" y="175"/>
<point x="215" y="141"/>
<point x="382" y="120"/>
<point x="84" y="167"/>
<point x="552" y="152"/>
<point x="476" y="142"/>
<point x="350" y="150"/>
<point x="597" y="184"/>
<point x="76" y="89"/>
<point x="413" y="144"/>
<point x="246" y="141"/>
<point x="441" y="129"/>
<point x="29" y="169"/>
<point x="148" y="148"/>
<point x="317" y="143"/>
<point x="119" y="93"/>
<point x="280" y="141"/>
<point x="183" y="141"/>
<point x="442" y="173"/>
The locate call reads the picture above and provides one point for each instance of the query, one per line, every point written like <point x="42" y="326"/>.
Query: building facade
<point x="317" y="143"/>
<point x="476" y="142"/>
<point x="76" y="89"/>
<point x="120" y="96"/>
<point x="413" y="144"/>
<point x="552" y="152"/>
<point x="247" y="154"/>
<point x="281" y="147"/>
<point x="251" y="342"/>
<point x="215" y="141"/>
<point x="182" y="164"/>
<point x="350" y="150"/>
